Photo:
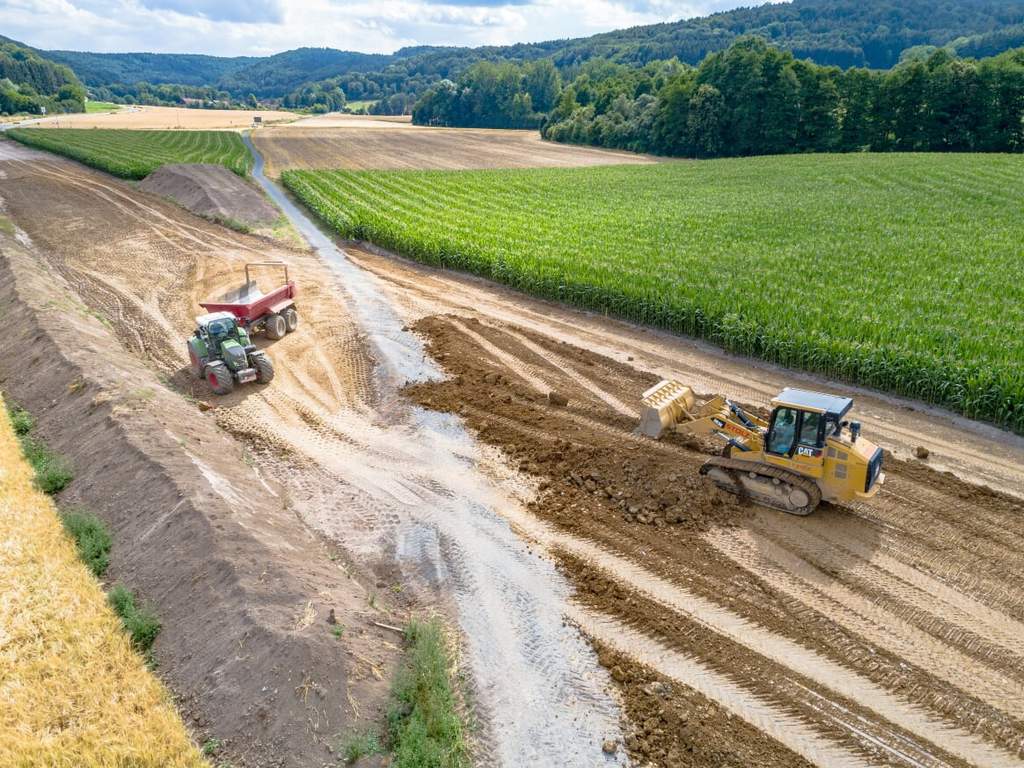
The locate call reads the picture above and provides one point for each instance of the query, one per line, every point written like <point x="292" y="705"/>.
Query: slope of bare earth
<point x="409" y="147"/>
<point x="211" y="191"/>
<point x="202" y="530"/>
<point x="345" y="454"/>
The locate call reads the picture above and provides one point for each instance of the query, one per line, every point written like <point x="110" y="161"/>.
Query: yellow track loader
<point x="805" y="452"/>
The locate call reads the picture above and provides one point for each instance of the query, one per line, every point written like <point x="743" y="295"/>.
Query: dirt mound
<point x="213" y="192"/>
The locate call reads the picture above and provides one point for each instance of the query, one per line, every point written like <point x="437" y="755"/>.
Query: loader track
<point x="736" y="469"/>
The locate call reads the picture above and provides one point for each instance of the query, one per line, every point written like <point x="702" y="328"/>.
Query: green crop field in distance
<point x="900" y="272"/>
<point x="136" y="154"/>
<point x="101" y="106"/>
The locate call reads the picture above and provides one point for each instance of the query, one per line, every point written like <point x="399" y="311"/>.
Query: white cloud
<point x="260" y="27"/>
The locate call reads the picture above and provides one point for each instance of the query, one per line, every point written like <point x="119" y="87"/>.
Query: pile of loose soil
<point x="586" y="466"/>
<point x="213" y="192"/>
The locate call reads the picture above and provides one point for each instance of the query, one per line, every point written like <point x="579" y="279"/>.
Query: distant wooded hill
<point x="846" y="33"/>
<point x="31" y="83"/>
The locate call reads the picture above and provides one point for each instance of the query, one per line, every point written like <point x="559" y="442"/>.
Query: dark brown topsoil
<point x="645" y="500"/>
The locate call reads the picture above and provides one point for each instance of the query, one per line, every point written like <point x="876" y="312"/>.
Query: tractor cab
<point x="221" y="352"/>
<point x="800" y="425"/>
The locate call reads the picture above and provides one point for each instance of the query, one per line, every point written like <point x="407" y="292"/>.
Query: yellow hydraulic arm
<point x="674" y="406"/>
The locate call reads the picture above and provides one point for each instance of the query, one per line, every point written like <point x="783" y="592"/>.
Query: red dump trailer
<point x="274" y="313"/>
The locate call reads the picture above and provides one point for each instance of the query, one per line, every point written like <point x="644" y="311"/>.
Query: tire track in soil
<point x="930" y="709"/>
<point x="861" y="615"/>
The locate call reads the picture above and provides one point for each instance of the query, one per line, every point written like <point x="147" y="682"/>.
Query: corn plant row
<point x="136" y="154"/>
<point x="900" y="272"/>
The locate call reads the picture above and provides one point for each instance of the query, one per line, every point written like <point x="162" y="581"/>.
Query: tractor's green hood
<point x="234" y="354"/>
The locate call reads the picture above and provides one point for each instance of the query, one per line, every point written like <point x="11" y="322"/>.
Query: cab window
<point x="783" y="431"/>
<point x="809" y="428"/>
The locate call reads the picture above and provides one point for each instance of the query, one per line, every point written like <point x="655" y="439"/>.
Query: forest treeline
<point x="32" y="84"/>
<point x="753" y="99"/>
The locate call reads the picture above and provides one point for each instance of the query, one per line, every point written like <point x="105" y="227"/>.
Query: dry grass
<point x="72" y="690"/>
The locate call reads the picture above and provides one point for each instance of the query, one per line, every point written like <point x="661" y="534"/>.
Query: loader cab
<point x="800" y="424"/>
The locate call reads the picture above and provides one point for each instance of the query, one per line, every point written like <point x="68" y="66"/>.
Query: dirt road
<point x="886" y="633"/>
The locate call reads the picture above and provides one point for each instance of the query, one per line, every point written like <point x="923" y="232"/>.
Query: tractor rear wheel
<point x="291" y="319"/>
<point x="275" y="327"/>
<point x="264" y="368"/>
<point x="219" y="378"/>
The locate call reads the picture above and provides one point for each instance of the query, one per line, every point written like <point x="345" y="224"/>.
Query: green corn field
<point x="136" y="154"/>
<point x="904" y="273"/>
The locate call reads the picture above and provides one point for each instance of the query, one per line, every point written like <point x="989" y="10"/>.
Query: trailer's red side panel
<point x="276" y="300"/>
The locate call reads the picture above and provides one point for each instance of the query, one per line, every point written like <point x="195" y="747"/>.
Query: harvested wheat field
<point x="166" y="118"/>
<point x="72" y="690"/>
<point x="405" y="146"/>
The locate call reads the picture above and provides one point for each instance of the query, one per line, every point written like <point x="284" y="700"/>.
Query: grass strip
<point x="424" y="725"/>
<point x="92" y="538"/>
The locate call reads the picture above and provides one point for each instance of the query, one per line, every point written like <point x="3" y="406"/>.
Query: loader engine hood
<point x="233" y="354"/>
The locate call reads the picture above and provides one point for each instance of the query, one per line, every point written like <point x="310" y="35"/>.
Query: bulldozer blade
<point x="663" y="406"/>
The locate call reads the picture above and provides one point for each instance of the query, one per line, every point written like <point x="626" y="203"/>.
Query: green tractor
<point x="221" y="352"/>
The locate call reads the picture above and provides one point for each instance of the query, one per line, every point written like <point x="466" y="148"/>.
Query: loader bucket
<point x="664" y="405"/>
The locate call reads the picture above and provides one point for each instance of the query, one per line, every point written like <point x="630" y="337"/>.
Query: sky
<point x="262" y="27"/>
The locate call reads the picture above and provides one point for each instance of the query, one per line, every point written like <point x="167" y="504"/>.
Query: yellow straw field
<point x="72" y="691"/>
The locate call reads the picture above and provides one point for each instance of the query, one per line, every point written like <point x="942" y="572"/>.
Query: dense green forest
<point x="751" y="99"/>
<point x="844" y="33"/>
<point x="29" y="83"/>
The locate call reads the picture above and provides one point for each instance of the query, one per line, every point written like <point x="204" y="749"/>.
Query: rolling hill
<point x="842" y="32"/>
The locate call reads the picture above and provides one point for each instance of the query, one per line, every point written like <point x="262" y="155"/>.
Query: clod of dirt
<point x="921" y="452"/>
<point x="557" y="399"/>
<point x="213" y="192"/>
<point x="610" y="746"/>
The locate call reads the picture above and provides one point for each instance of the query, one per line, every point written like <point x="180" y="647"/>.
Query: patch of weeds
<point x="91" y="537"/>
<point x="21" y="420"/>
<point x="338" y="631"/>
<point x="210" y="747"/>
<point x="359" y="745"/>
<point x="373" y="600"/>
<point x="139" y="620"/>
<point x="424" y="727"/>
<point x="6" y="225"/>
<point x="53" y="473"/>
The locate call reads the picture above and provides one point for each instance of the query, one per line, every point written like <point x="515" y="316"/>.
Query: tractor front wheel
<point x="291" y="319"/>
<point x="219" y="378"/>
<point x="275" y="327"/>
<point x="264" y="369"/>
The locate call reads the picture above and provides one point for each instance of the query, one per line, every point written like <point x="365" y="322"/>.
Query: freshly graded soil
<point x="874" y="588"/>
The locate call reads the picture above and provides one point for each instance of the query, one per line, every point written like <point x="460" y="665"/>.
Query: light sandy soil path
<point x="404" y="146"/>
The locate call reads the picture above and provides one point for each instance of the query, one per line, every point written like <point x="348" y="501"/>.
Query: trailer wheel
<point x="275" y="327"/>
<point x="291" y="319"/>
<point x="219" y="378"/>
